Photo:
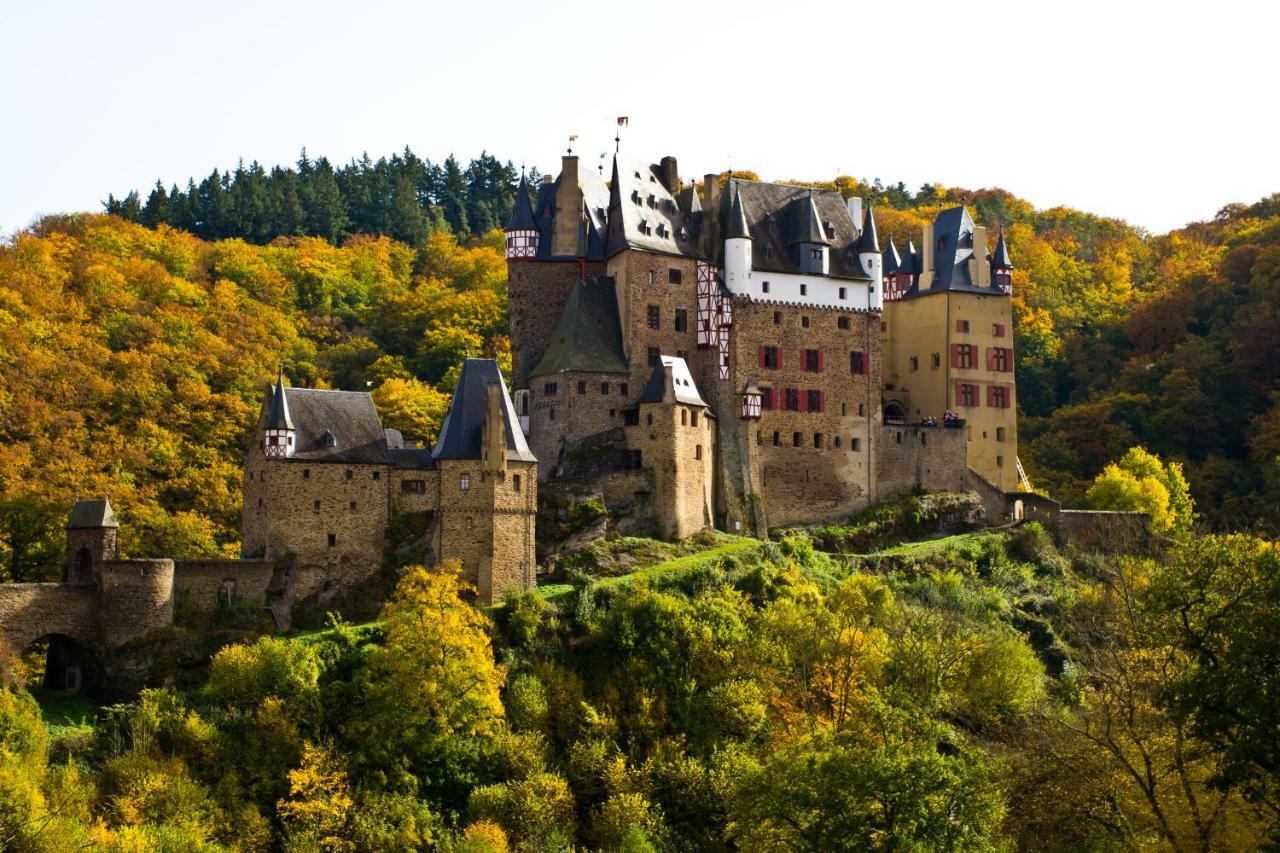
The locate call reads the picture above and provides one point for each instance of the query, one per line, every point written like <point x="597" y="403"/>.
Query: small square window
<point x="464" y="482"/>
<point x="855" y="445"/>
<point x="796" y="439"/>
<point x="777" y="439"/>
<point x="999" y="461"/>
<point x="999" y="433"/>
<point x="835" y="440"/>
<point x="350" y="473"/>
<point x="693" y="418"/>
<point x="306" y="473"/>
<point x="333" y="540"/>
<point x="817" y="441"/>
<point x="549" y="389"/>
<point x="604" y="387"/>
<point x="622" y="388"/>
<point x="915" y="364"/>
<point x="315" y="505"/>
<point x="377" y="475"/>
<point x="935" y="360"/>
<point x="777" y="318"/>
<point x="353" y="506"/>
<point x="804" y="322"/>
<point x="582" y="386"/>
<point x="842" y="323"/>
<point x="764" y="288"/>
<point x="682" y="320"/>
<point x="674" y="276"/>
<point x="804" y="290"/>
<point x="844" y="293"/>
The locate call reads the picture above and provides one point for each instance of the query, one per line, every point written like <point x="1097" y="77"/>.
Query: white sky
<point x="1155" y="112"/>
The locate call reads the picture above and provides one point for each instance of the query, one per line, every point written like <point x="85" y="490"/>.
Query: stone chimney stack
<point x="979" y="268"/>
<point x="670" y="174"/>
<point x="710" y="234"/>
<point x="568" y="213"/>
<point x="926" y="258"/>
<point x="494" y="433"/>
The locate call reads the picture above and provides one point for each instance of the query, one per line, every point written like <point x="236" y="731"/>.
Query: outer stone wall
<point x="579" y="408"/>
<point x="537" y="292"/>
<point x="928" y="457"/>
<point x="29" y="611"/>
<point x="202" y="581"/>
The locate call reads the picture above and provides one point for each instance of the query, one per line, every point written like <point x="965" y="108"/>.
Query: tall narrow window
<point x="464" y="482"/>
<point x="515" y="482"/>
<point x="653" y="317"/>
<point x="333" y="540"/>
<point x="682" y="318"/>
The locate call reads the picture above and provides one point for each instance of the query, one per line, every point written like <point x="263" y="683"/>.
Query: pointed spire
<point x="911" y="261"/>
<point x="522" y="213"/>
<point x="868" y="241"/>
<point x="892" y="260"/>
<point x="278" y="417"/>
<point x="1000" y="259"/>
<point x="737" y="225"/>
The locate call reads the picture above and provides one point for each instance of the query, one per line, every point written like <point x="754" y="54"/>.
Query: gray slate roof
<point x="643" y="214"/>
<point x="686" y="391"/>
<point x="953" y="233"/>
<point x="775" y="212"/>
<point x="87" y="515"/>
<point x="460" y="437"/>
<point x="334" y="426"/>
<point x="807" y="227"/>
<point x="595" y="199"/>
<point x="588" y="336"/>
<point x="869" y="241"/>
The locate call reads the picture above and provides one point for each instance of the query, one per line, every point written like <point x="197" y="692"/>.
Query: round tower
<point x="871" y="260"/>
<point x="737" y="248"/>
<point x="278" y="439"/>
<point x="522" y="229"/>
<point x="137" y="597"/>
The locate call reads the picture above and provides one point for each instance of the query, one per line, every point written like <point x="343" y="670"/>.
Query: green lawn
<point x="932" y="546"/>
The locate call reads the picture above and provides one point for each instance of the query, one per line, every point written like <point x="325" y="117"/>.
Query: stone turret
<point x="280" y="435"/>
<point x="91" y="540"/>
<point x="522" y="229"/>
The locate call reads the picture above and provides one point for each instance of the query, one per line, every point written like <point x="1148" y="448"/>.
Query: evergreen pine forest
<point x="871" y="685"/>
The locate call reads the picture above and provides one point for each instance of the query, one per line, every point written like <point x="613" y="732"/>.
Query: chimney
<point x="926" y="255"/>
<point x="854" y="203"/>
<point x="568" y="214"/>
<point x="548" y="179"/>
<point x="669" y="174"/>
<point x="983" y="267"/>
<point x="710" y="191"/>
<point x="569" y="167"/>
<point x="495" y="431"/>
<point x="669" y="392"/>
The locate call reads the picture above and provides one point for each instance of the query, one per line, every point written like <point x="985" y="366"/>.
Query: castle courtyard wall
<point x="29" y="611"/>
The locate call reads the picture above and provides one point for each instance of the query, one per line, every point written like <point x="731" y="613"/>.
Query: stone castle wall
<point x="136" y="597"/>
<point x="29" y="611"/>
<point x="203" y="582"/>
<point x="582" y="404"/>
<point x="677" y="444"/>
<point x="912" y="457"/>
<point x="813" y="464"/>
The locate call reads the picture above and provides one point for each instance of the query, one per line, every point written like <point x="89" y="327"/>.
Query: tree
<point x="433" y="685"/>
<point x="1139" y="481"/>
<point x="318" y="814"/>
<point x="31" y="539"/>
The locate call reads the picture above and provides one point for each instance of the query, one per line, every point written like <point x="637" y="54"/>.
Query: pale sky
<point x="1154" y="112"/>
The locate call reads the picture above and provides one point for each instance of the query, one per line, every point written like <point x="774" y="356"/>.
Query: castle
<point x="736" y="357"/>
<point x="746" y="356"/>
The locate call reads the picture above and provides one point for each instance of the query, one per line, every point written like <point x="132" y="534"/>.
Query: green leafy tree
<point x="1139" y="481"/>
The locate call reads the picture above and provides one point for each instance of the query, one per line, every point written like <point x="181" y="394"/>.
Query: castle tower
<point x="278" y="439"/>
<point x="91" y="540"/>
<point x="869" y="256"/>
<point x="737" y="248"/>
<point x="522" y="229"/>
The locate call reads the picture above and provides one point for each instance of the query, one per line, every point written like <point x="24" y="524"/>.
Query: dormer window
<point x="768" y="251"/>
<point x="829" y="229"/>
<point x="773" y="226"/>
<point x="816" y="254"/>
<point x="329" y="439"/>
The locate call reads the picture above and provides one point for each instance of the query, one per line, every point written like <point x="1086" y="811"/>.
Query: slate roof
<point x="87" y="515"/>
<point x="953" y="233"/>
<point x="775" y="212"/>
<point x="595" y="200"/>
<point x="868" y="241"/>
<point x="522" y="214"/>
<point x="643" y="214"/>
<point x="686" y="391"/>
<point x="460" y="437"/>
<point x="807" y="227"/>
<point x="588" y="336"/>
<point x="737" y="225"/>
<point x="333" y="426"/>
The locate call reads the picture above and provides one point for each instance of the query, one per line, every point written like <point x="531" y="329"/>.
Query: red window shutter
<point x="955" y="355"/>
<point x="821" y="360"/>
<point x="991" y="358"/>
<point x="822" y="399"/>
<point x="761" y="357"/>
<point x="774" y="403"/>
<point x="802" y="400"/>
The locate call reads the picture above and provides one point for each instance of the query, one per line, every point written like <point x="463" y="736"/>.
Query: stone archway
<point x="57" y="662"/>
<point x="83" y="569"/>
<point x="894" y="413"/>
<point x="1019" y="512"/>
